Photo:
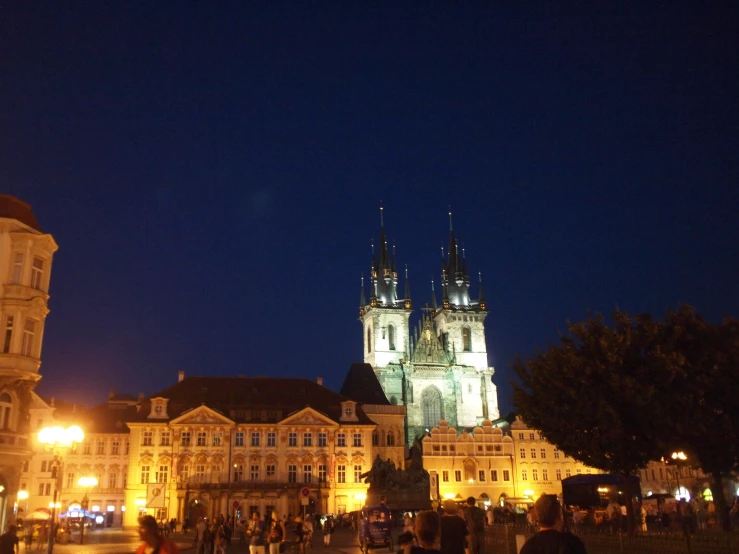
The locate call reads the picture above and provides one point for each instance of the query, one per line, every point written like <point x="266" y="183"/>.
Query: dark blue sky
<point x="213" y="176"/>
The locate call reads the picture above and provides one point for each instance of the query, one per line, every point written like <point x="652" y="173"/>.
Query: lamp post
<point x="23" y="495"/>
<point x="86" y="483"/>
<point x="679" y="457"/>
<point x="59" y="441"/>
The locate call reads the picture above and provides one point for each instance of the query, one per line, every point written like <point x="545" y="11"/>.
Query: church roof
<point x="361" y="384"/>
<point x="14" y="208"/>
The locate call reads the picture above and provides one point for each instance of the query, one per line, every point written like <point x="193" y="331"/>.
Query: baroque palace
<point x="231" y="445"/>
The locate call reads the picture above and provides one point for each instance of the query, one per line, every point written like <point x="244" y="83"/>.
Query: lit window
<point x="37" y="271"/>
<point x="144" y="474"/>
<point x="341" y="474"/>
<point x="357" y="474"/>
<point x="70" y="480"/>
<point x="29" y="331"/>
<point x="162" y="475"/>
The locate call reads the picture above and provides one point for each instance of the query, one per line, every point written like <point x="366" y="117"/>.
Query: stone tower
<point x="26" y="254"/>
<point x="385" y="318"/>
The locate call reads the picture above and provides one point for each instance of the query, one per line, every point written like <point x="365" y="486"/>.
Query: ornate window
<point x="17" y="268"/>
<point x="37" y="271"/>
<point x="369" y="339"/>
<point x="390" y="439"/>
<point x="8" y="333"/>
<point x="29" y="331"/>
<point x="391" y="336"/>
<point x="466" y="339"/>
<point x="432" y="408"/>
<point x="375" y="438"/>
<point x="6" y="409"/>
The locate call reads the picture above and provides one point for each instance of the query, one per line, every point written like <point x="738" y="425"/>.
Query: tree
<point x="705" y="410"/>
<point x="600" y="394"/>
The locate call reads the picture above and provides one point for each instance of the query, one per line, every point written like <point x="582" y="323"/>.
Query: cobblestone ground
<point x="116" y="541"/>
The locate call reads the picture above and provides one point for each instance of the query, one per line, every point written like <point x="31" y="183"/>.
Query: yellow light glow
<point x="59" y="436"/>
<point x="87" y="482"/>
<point x="528" y="493"/>
<point x="22" y="495"/>
<point x="140" y="502"/>
<point x="471" y="480"/>
<point x="602" y="489"/>
<point x="449" y="495"/>
<point x="679" y="456"/>
<point x="360" y="496"/>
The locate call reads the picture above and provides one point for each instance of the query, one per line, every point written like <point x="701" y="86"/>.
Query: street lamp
<point x="678" y="457"/>
<point x="85" y="483"/>
<point x="23" y="495"/>
<point x="59" y="441"/>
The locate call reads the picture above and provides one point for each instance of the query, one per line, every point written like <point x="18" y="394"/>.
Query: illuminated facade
<point x="439" y="368"/>
<point x="26" y="255"/>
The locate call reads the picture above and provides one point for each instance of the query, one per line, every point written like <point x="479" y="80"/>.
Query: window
<point x="37" y="271"/>
<point x="17" y="268"/>
<point x="524" y="475"/>
<point x="161" y="514"/>
<point x="543" y="453"/>
<point x="493" y="474"/>
<point x="532" y="436"/>
<point x="558" y="474"/>
<point x="357" y="439"/>
<point x="545" y="474"/>
<point x="341" y="474"/>
<point x="185" y="438"/>
<point x="200" y="473"/>
<point x="535" y="474"/>
<point x="8" y="333"/>
<point x="520" y="436"/>
<point x="6" y="407"/>
<point x="44" y="465"/>
<point x="357" y="474"/>
<point x="533" y="453"/>
<point x="322" y="472"/>
<point x="341" y="439"/>
<point x="271" y="438"/>
<point x="41" y="489"/>
<point x="481" y="475"/>
<point x="432" y="407"/>
<point x="165" y="438"/>
<point x="369" y="339"/>
<point x="202" y="438"/>
<point x="215" y="474"/>
<point x="568" y="473"/>
<point x="556" y="454"/>
<point x="255" y="438"/>
<point x="466" y="339"/>
<point x="239" y="440"/>
<point x="271" y="470"/>
<point x="391" y="336"/>
<point x="307" y="439"/>
<point x="115" y="447"/>
<point x="87" y="447"/>
<point x="101" y="447"/>
<point x="522" y="452"/>
<point x="506" y="475"/>
<point x="162" y="475"/>
<point x="445" y="476"/>
<point x="458" y="475"/>
<point x="70" y="480"/>
<point x="321" y="439"/>
<point x="375" y="438"/>
<point x="112" y="480"/>
<point x="144" y="474"/>
<point x="588" y="471"/>
<point x="292" y="473"/>
<point x="147" y="439"/>
<point x="238" y="472"/>
<point x="29" y="331"/>
<point x="128" y="447"/>
<point x="254" y="473"/>
<point x="390" y="439"/>
<point x="292" y="439"/>
<point x="578" y="471"/>
<point x="217" y="438"/>
<point x="307" y="474"/>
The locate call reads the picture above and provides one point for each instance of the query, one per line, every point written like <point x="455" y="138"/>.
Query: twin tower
<point x="438" y="368"/>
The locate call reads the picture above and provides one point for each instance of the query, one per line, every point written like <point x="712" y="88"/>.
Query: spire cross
<point x="450" y="217"/>
<point x="382" y="218"/>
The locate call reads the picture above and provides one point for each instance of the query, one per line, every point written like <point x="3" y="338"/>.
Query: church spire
<point x="384" y="273"/>
<point x="483" y="304"/>
<point x="362" y="301"/>
<point x="434" y="305"/>
<point x="407" y="290"/>
<point x="455" y="280"/>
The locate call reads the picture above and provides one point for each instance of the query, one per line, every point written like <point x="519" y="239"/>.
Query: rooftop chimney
<point x="180" y="376"/>
<point x="319" y="380"/>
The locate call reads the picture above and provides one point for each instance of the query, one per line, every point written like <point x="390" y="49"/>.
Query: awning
<point x="39" y="514"/>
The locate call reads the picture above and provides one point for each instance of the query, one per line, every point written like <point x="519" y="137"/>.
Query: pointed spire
<point x="407" y="285"/>
<point x="434" y="306"/>
<point x="362" y="300"/>
<point x="482" y="292"/>
<point x="382" y="218"/>
<point x="450" y="217"/>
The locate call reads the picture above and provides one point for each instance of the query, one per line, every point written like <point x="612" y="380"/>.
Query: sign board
<point x="305" y="492"/>
<point x="304" y="500"/>
<point x="155" y="495"/>
<point x="236" y="504"/>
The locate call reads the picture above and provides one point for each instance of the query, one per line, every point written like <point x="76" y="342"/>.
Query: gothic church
<point x="437" y="368"/>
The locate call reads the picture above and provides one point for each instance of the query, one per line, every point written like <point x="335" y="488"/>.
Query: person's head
<point x="148" y="529"/>
<point x="471" y="501"/>
<point x="548" y="511"/>
<point x="255" y="516"/>
<point x="10" y="528"/>
<point x="450" y="507"/>
<point x="427" y="527"/>
<point x="275" y="516"/>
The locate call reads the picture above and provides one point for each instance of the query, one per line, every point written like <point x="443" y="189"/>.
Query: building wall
<point x="452" y="322"/>
<point x="377" y="321"/>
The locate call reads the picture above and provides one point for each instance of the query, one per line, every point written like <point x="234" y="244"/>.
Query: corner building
<point x="26" y="255"/>
<point x="438" y="369"/>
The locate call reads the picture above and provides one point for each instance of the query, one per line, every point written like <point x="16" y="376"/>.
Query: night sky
<point x="213" y="176"/>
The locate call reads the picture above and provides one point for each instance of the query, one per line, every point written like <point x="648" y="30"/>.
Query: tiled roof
<point x="361" y="384"/>
<point x="13" y="208"/>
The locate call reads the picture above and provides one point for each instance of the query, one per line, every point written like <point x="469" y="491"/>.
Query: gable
<point x="202" y="415"/>
<point x="309" y="416"/>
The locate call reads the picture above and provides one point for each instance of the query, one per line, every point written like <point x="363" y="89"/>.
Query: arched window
<point x="375" y="438"/>
<point x="391" y="336"/>
<point x="469" y="469"/>
<point x="369" y="339"/>
<point x="466" y="339"/>
<point x="390" y="439"/>
<point x="6" y="407"/>
<point x="432" y="409"/>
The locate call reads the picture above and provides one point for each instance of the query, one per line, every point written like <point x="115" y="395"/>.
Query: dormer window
<point x="158" y="409"/>
<point x="348" y="411"/>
